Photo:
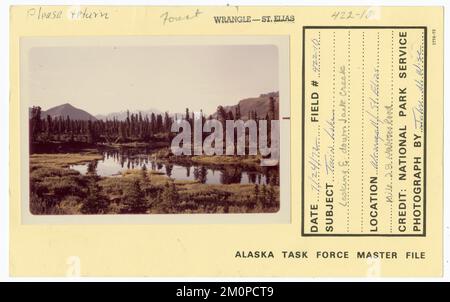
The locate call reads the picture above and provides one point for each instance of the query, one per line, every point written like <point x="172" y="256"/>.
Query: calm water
<point x="116" y="161"/>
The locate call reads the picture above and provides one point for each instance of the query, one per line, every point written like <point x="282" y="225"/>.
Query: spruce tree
<point x="133" y="198"/>
<point x="144" y="173"/>
<point x="263" y="195"/>
<point x="271" y="196"/>
<point x="256" y="194"/>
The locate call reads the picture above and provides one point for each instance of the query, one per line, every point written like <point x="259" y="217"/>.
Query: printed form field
<point x="364" y="131"/>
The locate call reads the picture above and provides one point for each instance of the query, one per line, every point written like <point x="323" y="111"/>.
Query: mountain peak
<point x="260" y="105"/>
<point x="122" y="115"/>
<point x="69" y="110"/>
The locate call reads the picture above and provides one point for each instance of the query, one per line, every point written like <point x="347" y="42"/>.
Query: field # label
<point x="364" y="131"/>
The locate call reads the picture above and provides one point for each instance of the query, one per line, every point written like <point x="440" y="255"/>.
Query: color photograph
<point x="105" y="121"/>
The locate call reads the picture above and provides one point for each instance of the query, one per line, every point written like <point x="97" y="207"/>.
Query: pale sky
<point x="102" y="80"/>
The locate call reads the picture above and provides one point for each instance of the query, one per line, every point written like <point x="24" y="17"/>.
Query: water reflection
<point x="116" y="161"/>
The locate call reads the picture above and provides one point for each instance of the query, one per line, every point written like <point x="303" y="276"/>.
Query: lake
<point x="116" y="161"/>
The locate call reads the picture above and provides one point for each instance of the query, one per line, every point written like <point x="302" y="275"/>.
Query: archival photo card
<point x="155" y="129"/>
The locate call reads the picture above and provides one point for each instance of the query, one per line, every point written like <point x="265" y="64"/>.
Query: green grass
<point x="165" y="155"/>
<point x="226" y="160"/>
<point x="58" y="190"/>
<point x="62" y="160"/>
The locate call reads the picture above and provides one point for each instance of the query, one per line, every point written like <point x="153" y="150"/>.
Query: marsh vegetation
<point x="80" y="166"/>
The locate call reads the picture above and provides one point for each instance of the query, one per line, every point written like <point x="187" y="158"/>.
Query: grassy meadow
<point x="55" y="189"/>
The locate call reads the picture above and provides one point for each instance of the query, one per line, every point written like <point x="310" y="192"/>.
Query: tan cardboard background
<point x="208" y="250"/>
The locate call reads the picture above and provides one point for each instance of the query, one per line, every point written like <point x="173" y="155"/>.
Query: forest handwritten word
<point x="171" y="19"/>
<point x="258" y="138"/>
<point x="77" y="13"/>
